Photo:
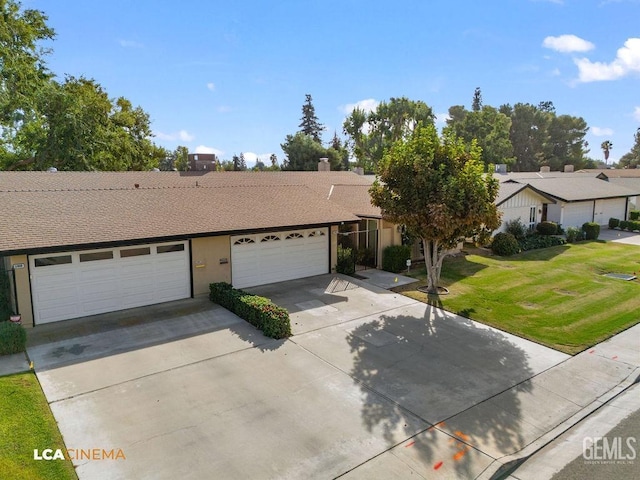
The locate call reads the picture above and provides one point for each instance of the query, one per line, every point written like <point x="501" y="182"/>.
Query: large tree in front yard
<point x="436" y="187"/>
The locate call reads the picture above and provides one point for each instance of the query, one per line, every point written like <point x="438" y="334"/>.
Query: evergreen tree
<point x="632" y="158"/>
<point x="477" y="100"/>
<point x="309" y="124"/>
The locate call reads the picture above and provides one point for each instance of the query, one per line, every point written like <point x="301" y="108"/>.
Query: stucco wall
<point x="333" y="250"/>
<point x="23" y="288"/>
<point x="208" y="257"/>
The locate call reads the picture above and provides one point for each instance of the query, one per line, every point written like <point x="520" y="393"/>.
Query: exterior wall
<point x="572" y="214"/>
<point x="208" y="257"/>
<point x="23" y="288"/>
<point x="333" y="247"/>
<point x="519" y="206"/>
<point x="388" y="235"/>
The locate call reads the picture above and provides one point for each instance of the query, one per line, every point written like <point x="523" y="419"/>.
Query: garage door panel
<point x="138" y="277"/>
<point x="298" y="254"/>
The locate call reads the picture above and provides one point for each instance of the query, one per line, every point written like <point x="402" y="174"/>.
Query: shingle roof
<point x="504" y="177"/>
<point x="356" y="199"/>
<point x="82" y="208"/>
<point x="579" y="188"/>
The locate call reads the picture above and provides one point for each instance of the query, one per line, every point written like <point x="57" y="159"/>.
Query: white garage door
<point x="575" y="214"/>
<point x="278" y="256"/>
<point x="76" y="284"/>
<point x="610" y="208"/>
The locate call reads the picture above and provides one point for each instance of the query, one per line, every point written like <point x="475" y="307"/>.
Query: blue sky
<point x="230" y="77"/>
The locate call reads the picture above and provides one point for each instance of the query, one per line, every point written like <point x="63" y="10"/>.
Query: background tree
<point x="180" y="158"/>
<point x="303" y="153"/>
<point x="371" y="132"/>
<point x="632" y="158"/>
<point x="606" y="146"/>
<point x="309" y="124"/>
<point x="273" y="159"/>
<point x="476" y="104"/>
<point x="437" y="188"/>
<point x="565" y="142"/>
<point x="341" y="151"/>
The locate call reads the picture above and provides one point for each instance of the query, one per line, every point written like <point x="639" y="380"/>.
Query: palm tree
<point x="606" y="146"/>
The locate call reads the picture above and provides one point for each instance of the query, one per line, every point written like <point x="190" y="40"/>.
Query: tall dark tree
<point x="341" y="150"/>
<point x="309" y="124"/>
<point x="606" y="146"/>
<point x="476" y="105"/>
<point x="274" y="162"/>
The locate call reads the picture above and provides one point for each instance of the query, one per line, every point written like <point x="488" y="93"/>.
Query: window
<point x="47" y="261"/>
<point x="270" y="238"/>
<point x="90" y="257"/>
<point x="317" y="233"/>
<point x="294" y="235"/>
<point x="135" y="252"/>
<point x="178" y="247"/>
<point x="243" y="241"/>
<point x="532" y="218"/>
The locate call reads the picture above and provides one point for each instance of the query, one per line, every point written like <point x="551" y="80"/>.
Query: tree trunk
<point x="433" y="258"/>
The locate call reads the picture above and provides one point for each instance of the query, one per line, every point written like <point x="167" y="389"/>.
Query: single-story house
<point x="83" y="243"/>
<point x="629" y="178"/>
<point x="521" y="201"/>
<point x="580" y="199"/>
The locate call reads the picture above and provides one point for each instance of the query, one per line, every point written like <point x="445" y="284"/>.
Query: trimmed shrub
<point x="547" y="228"/>
<point x="614" y="222"/>
<point x="366" y="256"/>
<point x="591" y="230"/>
<point x="634" y="225"/>
<point x="624" y="224"/>
<point x="13" y="338"/>
<point x="574" y="234"/>
<point x="516" y="228"/>
<point x="533" y="242"/>
<point x="258" y="311"/>
<point x="346" y="263"/>
<point x="634" y="215"/>
<point x="505" y="244"/>
<point x="394" y="258"/>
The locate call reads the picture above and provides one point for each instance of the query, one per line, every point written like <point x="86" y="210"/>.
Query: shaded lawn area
<point x="555" y="296"/>
<point x="26" y="423"/>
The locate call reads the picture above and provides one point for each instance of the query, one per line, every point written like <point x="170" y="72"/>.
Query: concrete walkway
<point x="16" y="363"/>
<point x="618" y="236"/>
<point x="372" y="385"/>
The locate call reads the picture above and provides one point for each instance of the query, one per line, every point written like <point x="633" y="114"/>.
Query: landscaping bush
<point x="634" y="225"/>
<point x="547" y="228"/>
<point x="634" y="215"/>
<point x="574" y="234"/>
<point x="591" y="230"/>
<point x="614" y="222"/>
<point x="533" y="242"/>
<point x="516" y="228"/>
<point x="394" y="258"/>
<point x="13" y="338"/>
<point x="366" y="256"/>
<point x="624" y="224"/>
<point x="505" y="244"/>
<point x="258" y="311"/>
<point x="560" y="230"/>
<point x="346" y="263"/>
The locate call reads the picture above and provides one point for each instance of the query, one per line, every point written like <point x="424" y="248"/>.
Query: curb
<point x="503" y="467"/>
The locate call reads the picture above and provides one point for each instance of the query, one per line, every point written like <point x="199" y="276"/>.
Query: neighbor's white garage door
<point x="610" y="208"/>
<point x="575" y="214"/>
<point x="278" y="256"/>
<point x="76" y="284"/>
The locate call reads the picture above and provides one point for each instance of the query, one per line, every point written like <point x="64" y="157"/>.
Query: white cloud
<point x="130" y="44"/>
<point x="567" y="44"/>
<point x="182" y="135"/>
<point x="601" y="132"/>
<point x="224" y="108"/>
<point x="368" y="105"/>
<point x="205" y="149"/>
<point x="211" y="86"/>
<point x="251" y="158"/>
<point x="636" y="113"/>
<point x="441" y="118"/>
<point x="627" y="61"/>
<point x="555" y="72"/>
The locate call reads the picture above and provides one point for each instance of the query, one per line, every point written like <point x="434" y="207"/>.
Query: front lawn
<point x="555" y="296"/>
<point x="26" y="423"/>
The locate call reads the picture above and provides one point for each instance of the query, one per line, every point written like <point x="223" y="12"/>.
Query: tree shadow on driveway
<point x="435" y="367"/>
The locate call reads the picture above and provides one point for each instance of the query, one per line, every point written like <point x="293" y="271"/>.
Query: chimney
<point x="501" y="168"/>
<point x="568" y="168"/>
<point x="359" y="170"/>
<point x="324" y="165"/>
<point x="545" y="169"/>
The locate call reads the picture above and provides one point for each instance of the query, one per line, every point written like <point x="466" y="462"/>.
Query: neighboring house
<point x="202" y="162"/>
<point x="580" y="199"/>
<point x="629" y="178"/>
<point x="83" y="243"/>
<point x="521" y="201"/>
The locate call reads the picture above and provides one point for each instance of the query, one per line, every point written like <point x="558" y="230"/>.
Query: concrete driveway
<point x="372" y="385"/>
<point x="619" y="236"/>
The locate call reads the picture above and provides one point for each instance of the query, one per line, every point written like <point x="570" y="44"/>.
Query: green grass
<point x="26" y="423"/>
<point x="555" y="296"/>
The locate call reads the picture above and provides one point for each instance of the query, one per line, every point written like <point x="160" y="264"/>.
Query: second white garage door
<point x="278" y="256"/>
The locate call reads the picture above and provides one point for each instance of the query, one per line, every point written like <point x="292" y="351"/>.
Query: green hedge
<point x="533" y="242"/>
<point x="505" y="244"/>
<point x="258" y="311"/>
<point x="394" y="258"/>
<point x="13" y="338"/>
<point x="346" y="262"/>
<point x="547" y="228"/>
<point x="614" y="222"/>
<point x="591" y="230"/>
<point x="574" y="234"/>
<point x="634" y="215"/>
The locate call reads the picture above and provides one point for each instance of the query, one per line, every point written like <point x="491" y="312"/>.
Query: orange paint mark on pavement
<point x="437" y="465"/>
<point x="614" y="357"/>
<point x="410" y="444"/>
<point x="460" y="454"/>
